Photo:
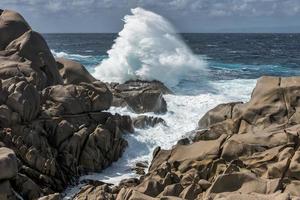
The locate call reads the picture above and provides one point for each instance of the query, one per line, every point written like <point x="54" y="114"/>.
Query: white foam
<point x="63" y="54"/>
<point x="182" y="117"/>
<point x="148" y="48"/>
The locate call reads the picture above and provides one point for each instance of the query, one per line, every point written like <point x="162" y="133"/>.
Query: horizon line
<point x="179" y="33"/>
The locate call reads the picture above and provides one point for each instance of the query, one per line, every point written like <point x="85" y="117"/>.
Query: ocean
<point x="203" y="70"/>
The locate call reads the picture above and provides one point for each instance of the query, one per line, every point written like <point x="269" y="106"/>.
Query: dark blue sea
<point x="229" y="56"/>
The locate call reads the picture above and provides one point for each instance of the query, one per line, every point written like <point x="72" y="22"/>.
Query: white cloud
<point x="210" y="7"/>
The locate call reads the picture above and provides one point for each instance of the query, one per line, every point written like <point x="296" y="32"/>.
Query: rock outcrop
<point x="240" y="151"/>
<point x="73" y="72"/>
<point x="144" y="121"/>
<point x="140" y="96"/>
<point x="53" y="124"/>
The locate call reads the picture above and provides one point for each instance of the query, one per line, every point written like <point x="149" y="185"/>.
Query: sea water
<point x="203" y="70"/>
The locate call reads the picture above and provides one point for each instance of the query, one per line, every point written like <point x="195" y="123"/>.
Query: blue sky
<point x="186" y="15"/>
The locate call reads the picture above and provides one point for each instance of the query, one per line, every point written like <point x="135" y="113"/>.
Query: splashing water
<point x="148" y="48"/>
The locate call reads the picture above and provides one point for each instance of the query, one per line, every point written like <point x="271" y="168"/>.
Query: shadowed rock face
<point x="241" y="151"/>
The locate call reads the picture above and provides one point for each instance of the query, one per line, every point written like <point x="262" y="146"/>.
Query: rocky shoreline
<point x="54" y="127"/>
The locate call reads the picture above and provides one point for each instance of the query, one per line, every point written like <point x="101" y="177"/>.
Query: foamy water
<point x="182" y="117"/>
<point x="148" y="48"/>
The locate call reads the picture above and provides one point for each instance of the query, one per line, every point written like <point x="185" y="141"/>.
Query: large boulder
<point x="76" y="99"/>
<point x="16" y="66"/>
<point x="32" y="46"/>
<point x="73" y="72"/>
<point x="140" y="96"/>
<point x="22" y="98"/>
<point x="12" y="26"/>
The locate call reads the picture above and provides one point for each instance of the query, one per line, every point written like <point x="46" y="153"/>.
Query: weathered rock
<point x="32" y="46"/>
<point x="57" y="131"/>
<point x="26" y="187"/>
<point x="8" y="164"/>
<point x="23" y="98"/>
<point x="140" y="96"/>
<point x="55" y="196"/>
<point x="90" y="192"/>
<point x="144" y="121"/>
<point x="16" y="66"/>
<point x="244" y="183"/>
<point x="73" y="72"/>
<point x="218" y="114"/>
<point x="76" y="99"/>
<point x="101" y="149"/>
<point x="12" y="26"/>
<point x="131" y="182"/>
<point x="293" y="188"/>
<point x="254" y="196"/>
<point x="139" y="170"/>
<point x="6" y="191"/>
<point x="172" y="190"/>
<point x="184" y="156"/>
<point x="240" y="151"/>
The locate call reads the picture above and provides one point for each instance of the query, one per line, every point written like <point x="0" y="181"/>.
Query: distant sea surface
<point x="229" y="56"/>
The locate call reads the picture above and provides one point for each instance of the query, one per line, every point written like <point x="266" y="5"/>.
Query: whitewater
<point x="149" y="48"/>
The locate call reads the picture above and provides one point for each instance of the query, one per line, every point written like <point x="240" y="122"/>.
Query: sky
<point x="89" y="16"/>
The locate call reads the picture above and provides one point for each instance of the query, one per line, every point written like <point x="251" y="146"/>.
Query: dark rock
<point x="23" y="98"/>
<point x="131" y="182"/>
<point x="102" y="192"/>
<point x="8" y="164"/>
<point x="12" y="26"/>
<point x="26" y="187"/>
<point x="144" y="121"/>
<point x="75" y="99"/>
<point x="16" y="66"/>
<point x="54" y="132"/>
<point x="183" y="141"/>
<point x="55" y="196"/>
<point x="6" y="191"/>
<point x="32" y="46"/>
<point x="73" y="72"/>
<point x="140" y="96"/>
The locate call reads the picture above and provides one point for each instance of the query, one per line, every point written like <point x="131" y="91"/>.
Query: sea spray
<point x="148" y="48"/>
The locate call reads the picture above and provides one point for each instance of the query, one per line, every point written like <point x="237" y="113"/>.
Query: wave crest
<point x="63" y="54"/>
<point x="148" y="48"/>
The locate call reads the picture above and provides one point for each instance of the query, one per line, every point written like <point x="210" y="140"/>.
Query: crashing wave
<point x="148" y="48"/>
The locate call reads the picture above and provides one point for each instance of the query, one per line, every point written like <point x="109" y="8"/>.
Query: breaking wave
<point x="148" y="48"/>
